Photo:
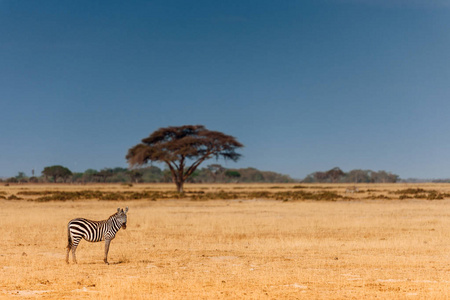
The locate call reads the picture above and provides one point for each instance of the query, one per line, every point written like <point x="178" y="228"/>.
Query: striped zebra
<point x="95" y="231"/>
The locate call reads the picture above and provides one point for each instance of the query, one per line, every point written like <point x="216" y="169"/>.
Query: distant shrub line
<point x="211" y="174"/>
<point x="274" y="192"/>
<point x="44" y="196"/>
<point x="284" y="196"/>
<point x="89" y="194"/>
<point x="421" y="194"/>
<point x="336" y="175"/>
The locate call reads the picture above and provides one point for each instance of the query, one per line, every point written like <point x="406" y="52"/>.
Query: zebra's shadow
<point x="102" y="263"/>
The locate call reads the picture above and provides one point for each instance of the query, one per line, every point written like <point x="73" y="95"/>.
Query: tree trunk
<point x="179" y="184"/>
<point x="177" y="177"/>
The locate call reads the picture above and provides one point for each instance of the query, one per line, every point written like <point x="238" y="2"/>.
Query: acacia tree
<point x="178" y="147"/>
<point x="57" y="172"/>
<point x="335" y="174"/>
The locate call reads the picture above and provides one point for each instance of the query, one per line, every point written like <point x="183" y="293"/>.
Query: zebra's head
<point x="121" y="216"/>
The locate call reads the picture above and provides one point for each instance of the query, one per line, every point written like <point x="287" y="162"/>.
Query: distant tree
<point x="275" y="177"/>
<point x="57" y="172"/>
<point x="335" y="174"/>
<point x="33" y="179"/>
<point x="354" y="176"/>
<point x="315" y="177"/>
<point x="358" y="176"/>
<point x="232" y="174"/>
<point x="104" y="174"/>
<point x="21" y="176"/>
<point x="256" y="175"/>
<point x="216" y="170"/>
<point x="135" y="175"/>
<point x="77" y="177"/>
<point x="12" y="180"/>
<point x="179" y="146"/>
<point x="119" y="170"/>
<point x="194" y="177"/>
<point x="320" y="176"/>
<point x="152" y="174"/>
<point x="89" y="175"/>
<point x="167" y="176"/>
<point x="384" y="177"/>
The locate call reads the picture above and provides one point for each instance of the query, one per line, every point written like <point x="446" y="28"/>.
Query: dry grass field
<point x="260" y="242"/>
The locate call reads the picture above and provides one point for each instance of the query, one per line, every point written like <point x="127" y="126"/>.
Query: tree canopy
<point x="354" y="176"/>
<point x="183" y="149"/>
<point x="57" y="172"/>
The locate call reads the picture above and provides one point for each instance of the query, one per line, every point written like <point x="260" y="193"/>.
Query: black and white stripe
<point x="95" y="231"/>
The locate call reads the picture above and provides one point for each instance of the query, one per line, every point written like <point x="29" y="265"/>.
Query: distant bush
<point x="211" y="174"/>
<point x="354" y="176"/>
<point x="33" y="179"/>
<point x="273" y="192"/>
<point x="419" y="193"/>
<point x="410" y="191"/>
<point x="283" y="196"/>
<point x="46" y="196"/>
<point x="299" y="187"/>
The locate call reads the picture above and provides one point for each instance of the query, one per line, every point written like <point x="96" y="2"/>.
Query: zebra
<point x="95" y="231"/>
<point x="352" y="190"/>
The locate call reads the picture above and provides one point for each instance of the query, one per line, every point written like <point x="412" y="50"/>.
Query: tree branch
<point x="172" y="170"/>
<point x="194" y="166"/>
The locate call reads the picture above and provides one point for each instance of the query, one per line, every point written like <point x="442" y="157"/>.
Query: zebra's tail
<point x="69" y="238"/>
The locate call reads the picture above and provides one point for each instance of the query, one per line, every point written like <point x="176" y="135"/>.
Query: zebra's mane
<point x="115" y="214"/>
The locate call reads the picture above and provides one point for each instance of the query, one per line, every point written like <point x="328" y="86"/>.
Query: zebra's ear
<point x="126" y="209"/>
<point x="118" y="209"/>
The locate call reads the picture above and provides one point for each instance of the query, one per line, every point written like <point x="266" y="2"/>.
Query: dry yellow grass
<point x="251" y="249"/>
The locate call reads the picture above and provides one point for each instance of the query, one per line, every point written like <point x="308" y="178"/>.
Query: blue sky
<point x="304" y="85"/>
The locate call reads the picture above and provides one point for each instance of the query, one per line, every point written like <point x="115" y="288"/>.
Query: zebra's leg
<point x="107" y="242"/>
<point x="74" y="248"/>
<point x="67" y="252"/>
<point x="69" y="246"/>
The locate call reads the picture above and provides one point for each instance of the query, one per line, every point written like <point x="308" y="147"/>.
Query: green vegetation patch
<point x="35" y="193"/>
<point x="107" y="196"/>
<point x="220" y="195"/>
<point x="299" y="187"/>
<point x="283" y="196"/>
<point x="410" y="191"/>
<point x="301" y="195"/>
<point x="196" y="195"/>
<point x="421" y="194"/>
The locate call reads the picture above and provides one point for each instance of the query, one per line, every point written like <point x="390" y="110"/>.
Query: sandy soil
<point x="231" y="249"/>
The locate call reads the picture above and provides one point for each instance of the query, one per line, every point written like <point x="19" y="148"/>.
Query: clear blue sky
<point x="304" y="85"/>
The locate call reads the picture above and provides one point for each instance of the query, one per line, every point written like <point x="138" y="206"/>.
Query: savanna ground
<point x="230" y="241"/>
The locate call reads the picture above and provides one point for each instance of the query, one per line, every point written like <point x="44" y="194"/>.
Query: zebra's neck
<point x="114" y="223"/>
